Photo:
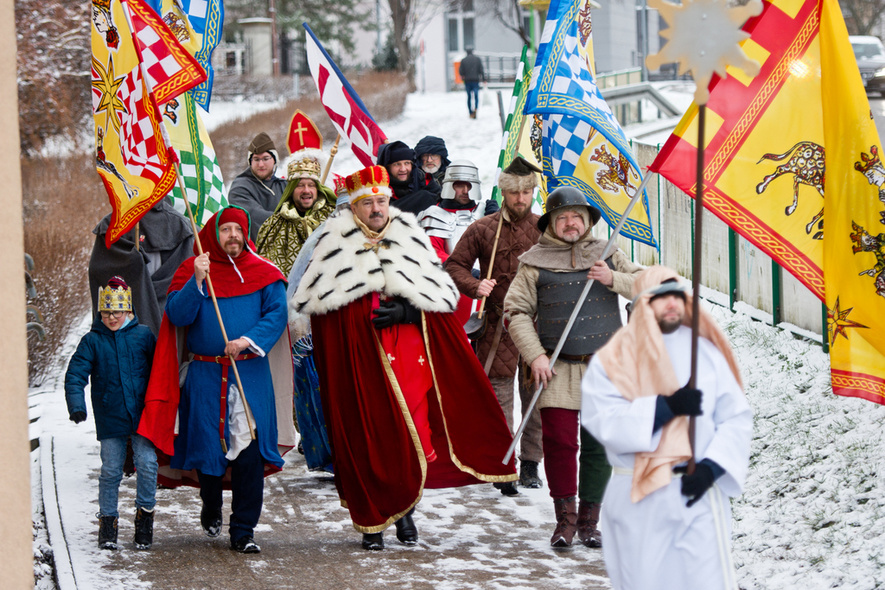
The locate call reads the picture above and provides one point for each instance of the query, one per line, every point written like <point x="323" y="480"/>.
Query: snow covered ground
<point x="811" y="516"/>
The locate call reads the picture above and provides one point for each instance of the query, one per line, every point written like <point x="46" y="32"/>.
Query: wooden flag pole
<point x="332" y="153"/>
<point x="233" y="363"/>
<point x="482" y="303"/>
<point x="696" y="272"/>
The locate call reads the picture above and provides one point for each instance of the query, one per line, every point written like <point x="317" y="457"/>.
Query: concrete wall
<point x="256" y="35"/>
<point x="16" y="558"/>
<point x="614" y="35"/>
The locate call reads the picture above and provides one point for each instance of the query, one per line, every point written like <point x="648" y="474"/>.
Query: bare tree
<point x="509" y="13"/>
<point x="862" y="15"/>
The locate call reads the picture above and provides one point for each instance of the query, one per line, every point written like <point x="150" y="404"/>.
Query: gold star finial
<point x="703" y="37"/>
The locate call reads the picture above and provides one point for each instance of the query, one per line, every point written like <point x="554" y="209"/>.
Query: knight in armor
<point x="461" y="204"/>
<point x="550" y="279"/>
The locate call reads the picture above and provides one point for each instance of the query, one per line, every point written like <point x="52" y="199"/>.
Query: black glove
<point x="685" y="402"/>
<point x="78" y="417"/>
<point x="395" y="311"/>
<point x="694" y="486"/>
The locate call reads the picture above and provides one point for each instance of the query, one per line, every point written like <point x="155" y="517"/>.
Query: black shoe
<point x="211" y="521"/>
<point x="373" y="541"/>
<point x="528" y="475"/>
<point x="107" y="532"/>
<point x="144" y="528"/>
<point x="245" y="545"/>
<point x="406" y="531"/>
<point x="508" y="488"/>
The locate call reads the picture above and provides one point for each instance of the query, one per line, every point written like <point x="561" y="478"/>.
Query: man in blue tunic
<point x="214" y="437"/>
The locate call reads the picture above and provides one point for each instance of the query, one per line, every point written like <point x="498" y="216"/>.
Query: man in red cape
<point x="211" y="442"/>
<point x="406" y="402"/>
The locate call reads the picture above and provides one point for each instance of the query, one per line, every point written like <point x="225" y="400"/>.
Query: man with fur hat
<point x="413" y="189"/>
<point x="664" y="531"/>
<point x="495" y="349"/>
<point x="305" y="204"/>
<point x="204" y="424"/>
<point x="433" y="157"/>
<point x="544" y="293"/>
<point x="257" y="189"/>
<point x="406" y="402"/>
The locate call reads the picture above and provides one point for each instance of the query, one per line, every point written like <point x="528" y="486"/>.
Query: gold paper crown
<point x="105" y="4"/>
<point x="110" y="299"/>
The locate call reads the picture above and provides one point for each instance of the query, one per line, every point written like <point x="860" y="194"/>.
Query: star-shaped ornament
<point x="704" y="37"/>
<point x="838" y="322"/>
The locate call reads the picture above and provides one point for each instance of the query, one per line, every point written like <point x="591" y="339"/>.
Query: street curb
<point x="64" y="571"/>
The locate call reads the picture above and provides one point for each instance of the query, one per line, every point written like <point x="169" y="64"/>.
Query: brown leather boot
<point x="588" y="518"/>
<point x="566" y="522"/>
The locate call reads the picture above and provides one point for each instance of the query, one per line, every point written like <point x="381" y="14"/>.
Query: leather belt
<point x="225" y="362"/>
<point x="571" y="358"/>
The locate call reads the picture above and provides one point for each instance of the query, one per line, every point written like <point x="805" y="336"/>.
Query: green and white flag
<point x="199" y="164"/>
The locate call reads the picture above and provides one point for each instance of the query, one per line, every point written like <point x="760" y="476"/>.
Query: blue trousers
<point x="113" y="455"/>
<point x="472" y="89"/>
<point x="247" y="485"/>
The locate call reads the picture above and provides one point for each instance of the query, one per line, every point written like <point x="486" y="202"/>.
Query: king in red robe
<point x="407" y="404"/>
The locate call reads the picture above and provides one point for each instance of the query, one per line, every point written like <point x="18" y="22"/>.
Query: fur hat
<point x="263" y="143"/>
<point x="519" y="175"/>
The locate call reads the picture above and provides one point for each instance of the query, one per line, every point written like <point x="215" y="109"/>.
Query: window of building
<point x="469" y="39"/>
<point x="453" y="35"/>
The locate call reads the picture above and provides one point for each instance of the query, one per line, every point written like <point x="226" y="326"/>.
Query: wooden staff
<point x="233" y="363"/>
<point x="136" y="237"/>
<point x="332" y="153"/>
<point x="482" y="303"/>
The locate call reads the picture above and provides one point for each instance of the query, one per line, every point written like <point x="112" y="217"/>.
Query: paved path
<point x="470" y="538"/>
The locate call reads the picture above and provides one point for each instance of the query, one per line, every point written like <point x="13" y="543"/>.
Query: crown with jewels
<point x="368" y="182"/>
<point x="117" y="296"/>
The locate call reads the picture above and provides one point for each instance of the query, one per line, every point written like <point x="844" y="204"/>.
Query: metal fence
<point x="731" y="265"/>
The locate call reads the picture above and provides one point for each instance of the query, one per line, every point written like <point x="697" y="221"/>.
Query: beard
<point x="430" y="169"/>
<point x="669" y="326"/>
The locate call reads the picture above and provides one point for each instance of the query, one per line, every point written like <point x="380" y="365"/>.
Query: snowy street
<point x="811" y="516"/>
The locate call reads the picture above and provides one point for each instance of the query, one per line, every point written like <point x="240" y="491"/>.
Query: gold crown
<point x="105" y="4"/>
<point x="110" y="299"/>
<point x="305" y="167"/>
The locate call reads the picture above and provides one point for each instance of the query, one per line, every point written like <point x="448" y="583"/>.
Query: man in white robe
<point x="664" y="528"/>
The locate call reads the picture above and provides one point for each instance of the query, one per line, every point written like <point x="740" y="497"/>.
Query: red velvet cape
<point x="380" y="471"/>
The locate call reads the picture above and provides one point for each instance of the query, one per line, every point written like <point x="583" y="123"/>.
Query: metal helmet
<point x="461" y="171"/>
<point x="566" y="196"/>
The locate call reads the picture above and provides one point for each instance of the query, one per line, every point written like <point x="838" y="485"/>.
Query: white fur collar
<point x="342" y="268"/>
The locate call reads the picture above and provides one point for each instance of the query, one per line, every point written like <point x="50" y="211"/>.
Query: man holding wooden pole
<point x="497" y="240"/>
<point x="235" y="406"/>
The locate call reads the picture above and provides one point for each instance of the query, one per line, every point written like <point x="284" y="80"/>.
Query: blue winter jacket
<point x="118" y="364"/>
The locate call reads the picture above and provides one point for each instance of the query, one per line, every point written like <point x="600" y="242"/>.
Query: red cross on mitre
<point x="303" y="133"/>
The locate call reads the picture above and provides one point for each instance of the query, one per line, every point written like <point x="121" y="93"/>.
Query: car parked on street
<point x="870" y="55"/>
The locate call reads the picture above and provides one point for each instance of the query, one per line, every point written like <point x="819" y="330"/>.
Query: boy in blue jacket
<point x="116" y="355"/>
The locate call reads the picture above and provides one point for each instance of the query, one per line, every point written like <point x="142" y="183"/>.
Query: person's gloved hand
<point x="395" y="311"/>
<point x="694" y="486"/>
<point x="78" y="417"/>
<point x="685" y="401"/>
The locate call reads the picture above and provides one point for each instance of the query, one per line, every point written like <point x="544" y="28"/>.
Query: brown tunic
<point x="477" y="243"/>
